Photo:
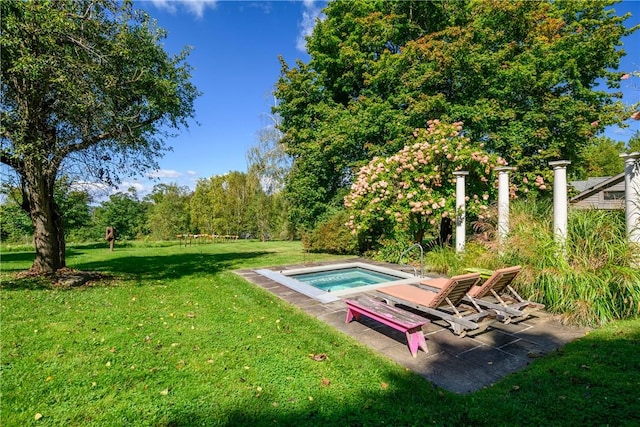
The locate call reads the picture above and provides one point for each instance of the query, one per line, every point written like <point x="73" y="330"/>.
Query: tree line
<point x="231" y="204"/>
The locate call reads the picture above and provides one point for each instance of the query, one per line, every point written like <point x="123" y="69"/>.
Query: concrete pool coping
<point x="460" y="365"/>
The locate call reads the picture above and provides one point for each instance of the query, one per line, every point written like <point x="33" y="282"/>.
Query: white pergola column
<point x="503" y="202"/>
<point x="560" y="201"/>
<point x="461" y="234"/>
<point x="632" y="200"/>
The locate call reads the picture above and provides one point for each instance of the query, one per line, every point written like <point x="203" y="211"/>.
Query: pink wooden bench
<point x="396" y="318"/>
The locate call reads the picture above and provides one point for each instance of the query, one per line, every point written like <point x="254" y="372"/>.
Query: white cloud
<point x="192" y="173"/>
<point x="100" y="192"/>
<point x="135" y="184"/>
<point x="141" y="188"/>
<point x="164" y="173"/>
<point x="310" y="14"/>
<point x="196" y="7"/>
<point x="93" y="188"/>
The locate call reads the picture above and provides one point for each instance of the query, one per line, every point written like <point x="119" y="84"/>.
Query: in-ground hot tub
<point x="328" y="282"/>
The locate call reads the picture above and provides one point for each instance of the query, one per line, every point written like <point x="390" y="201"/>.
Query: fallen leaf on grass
<point x="326" y="382"/>
<point x="164" y="392"/>
<point x="37" y="416"/>
<point x="384" y="386"/>
<point x="319" y="357"/>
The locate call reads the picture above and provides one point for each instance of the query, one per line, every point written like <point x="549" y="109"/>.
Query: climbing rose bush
<point x="410" y="192"/>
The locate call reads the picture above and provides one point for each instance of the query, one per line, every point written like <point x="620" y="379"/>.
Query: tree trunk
<point x="418" y="234"/>
<point x="47" y="223"/>
<point x="446" y="231"/>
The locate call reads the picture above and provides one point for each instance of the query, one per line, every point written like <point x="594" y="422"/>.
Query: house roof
<point x="588" y="183"/>
<point x="594" y="185"/>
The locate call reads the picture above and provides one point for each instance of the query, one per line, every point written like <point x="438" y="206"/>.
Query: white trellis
<point x="503" y="202"/>
<point x="560" y="202"/>
<point x="632" y="201"/>
<point x="461" y="221"/>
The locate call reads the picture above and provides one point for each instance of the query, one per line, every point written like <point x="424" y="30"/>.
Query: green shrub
<point x="331" y="236"/>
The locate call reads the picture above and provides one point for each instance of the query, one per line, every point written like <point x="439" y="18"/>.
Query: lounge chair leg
<point x="458" y="330"/>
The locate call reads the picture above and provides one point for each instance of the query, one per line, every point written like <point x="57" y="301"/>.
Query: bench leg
<point x="415" y="339"/>
<point x="351" y="314"/>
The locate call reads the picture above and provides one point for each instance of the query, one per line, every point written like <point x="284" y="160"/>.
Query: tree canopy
<point x="168" y="211"/>
<point x="88" y="89"/>
<point x="124" y="212"/>
<point x="532" y="80"/>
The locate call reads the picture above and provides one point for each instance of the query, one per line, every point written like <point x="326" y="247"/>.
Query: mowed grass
<point x="177" y="339"/>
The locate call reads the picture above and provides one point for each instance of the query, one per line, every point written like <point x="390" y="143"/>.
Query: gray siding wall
<point x="599" y="201"/>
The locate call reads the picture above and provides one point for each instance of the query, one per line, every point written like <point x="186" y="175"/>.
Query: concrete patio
<point x="460" y="365"/>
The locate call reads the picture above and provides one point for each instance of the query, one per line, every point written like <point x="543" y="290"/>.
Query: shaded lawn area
<point x="177" y="339"/>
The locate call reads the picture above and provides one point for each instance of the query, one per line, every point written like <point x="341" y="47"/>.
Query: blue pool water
<point x="344" y="278"/>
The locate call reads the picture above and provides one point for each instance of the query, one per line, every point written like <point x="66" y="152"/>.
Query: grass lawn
<point x="177" y="339"/>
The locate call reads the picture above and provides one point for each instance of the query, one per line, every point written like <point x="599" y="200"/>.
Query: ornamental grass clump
<point x="590" y="281"/>
<point x="409" y="193"/>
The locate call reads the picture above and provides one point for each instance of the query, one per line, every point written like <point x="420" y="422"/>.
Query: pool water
<point x="345" y="278"/>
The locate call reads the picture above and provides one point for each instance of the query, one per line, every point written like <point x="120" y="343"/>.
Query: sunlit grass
<point x="177" y="339"/>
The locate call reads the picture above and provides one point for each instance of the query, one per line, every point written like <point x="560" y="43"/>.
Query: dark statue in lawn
<point x="110" y="236"/>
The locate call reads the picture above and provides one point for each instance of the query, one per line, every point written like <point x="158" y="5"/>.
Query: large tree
<point x="523" y="77"/>
<point x="226" y="204"/>
<point x="270" y="164"/>
<point x="168" y="211"/>
<point x="86" y="88"/>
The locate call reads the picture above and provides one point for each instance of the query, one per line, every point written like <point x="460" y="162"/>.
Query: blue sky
<point x="235" y="55"/>
<point x="236" y="45"/>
